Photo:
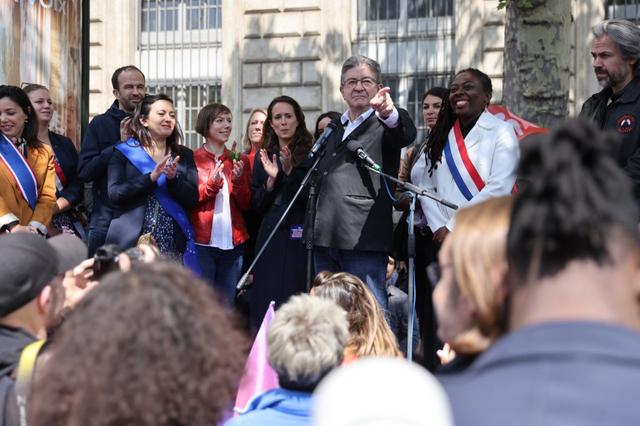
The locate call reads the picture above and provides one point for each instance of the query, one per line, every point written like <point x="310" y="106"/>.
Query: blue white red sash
<point x="464" y="173"/>
<point x="21" y="171"/>
<point x="145" y="164"/>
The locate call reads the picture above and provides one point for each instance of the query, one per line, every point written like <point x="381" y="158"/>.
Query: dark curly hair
<point x="302" y="138"/>
<point x="30" y="131"/>
<point x="142" y="134"/>
<point x="151" y="346"/>
<point x="446" y="119"/>
<point x="576" y="203"/>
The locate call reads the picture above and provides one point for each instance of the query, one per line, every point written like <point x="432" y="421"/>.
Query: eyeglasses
<point x="367" y="83"/>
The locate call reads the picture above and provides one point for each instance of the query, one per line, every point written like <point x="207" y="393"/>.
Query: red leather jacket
<point x="239" y="196"/>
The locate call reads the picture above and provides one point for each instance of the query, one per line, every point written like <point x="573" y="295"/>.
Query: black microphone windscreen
<point x="353" y="145"/>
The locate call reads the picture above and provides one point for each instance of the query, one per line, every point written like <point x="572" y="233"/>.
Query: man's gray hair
<point x="626" y="35"/>
<point x="306" y="340"/>
<point x="357" y="60"/>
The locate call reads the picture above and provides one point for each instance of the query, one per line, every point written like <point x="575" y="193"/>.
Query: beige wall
<point x="480" y="43"/>
<point x="296" y="47"/>
<point x="284" y="47"/>
<point x="112" y="41"/>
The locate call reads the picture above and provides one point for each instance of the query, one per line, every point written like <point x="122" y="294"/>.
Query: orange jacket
<point x="13" y="206"/>
<point x="239" y="196"/>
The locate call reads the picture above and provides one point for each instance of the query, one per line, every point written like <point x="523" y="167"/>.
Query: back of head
<point x="478" y="254"/>
<point x="306" y="340"/>
<point x="578" y="204"/>
<point x="370" y="333"/>
<point x="381" y="392"/>
<point x="148" y="347"/>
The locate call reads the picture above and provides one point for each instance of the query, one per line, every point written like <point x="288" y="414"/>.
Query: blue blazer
<point x="129" y="191"/>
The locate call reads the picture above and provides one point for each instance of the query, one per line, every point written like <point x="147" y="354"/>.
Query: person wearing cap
<point x="29" y="265"/>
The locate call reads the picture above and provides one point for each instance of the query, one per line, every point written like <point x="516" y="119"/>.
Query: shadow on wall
<point x="279" y="59"/>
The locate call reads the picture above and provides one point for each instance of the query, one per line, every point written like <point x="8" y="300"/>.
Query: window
<point x="158" y="15"/>
<point x="416" y="86"/>
<point x="188" y="100"/>
<point x="623" y="9"/>
<point x="203" y="14"/>
<point x="174" y="15"/>
<point x="429" y="8"/>
<point x="374" y="10"/>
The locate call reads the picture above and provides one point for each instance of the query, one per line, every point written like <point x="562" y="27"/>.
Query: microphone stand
<point x="312" y="172"/>
<point x="412" y="191"/>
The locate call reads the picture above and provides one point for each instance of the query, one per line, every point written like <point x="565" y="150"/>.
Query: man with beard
<point x="616" y="53"/>
<point x="103" y="133"/>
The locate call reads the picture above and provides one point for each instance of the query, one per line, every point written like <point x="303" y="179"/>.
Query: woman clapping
<point x="153" y="182"/>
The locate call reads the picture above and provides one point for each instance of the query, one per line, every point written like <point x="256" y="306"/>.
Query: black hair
<point x="446" y="119"/>
<point x="114" y="77"/>
<point x="302" y="138"/>
<point x="333" y="115"/>
<point x="577" y="201"/>
<point x="30" y="131"/>
<point x="437" y="91"/>
<point x="142" y="134"/>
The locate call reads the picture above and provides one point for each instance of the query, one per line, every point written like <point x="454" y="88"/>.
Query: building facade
<point x="243" y="53"/>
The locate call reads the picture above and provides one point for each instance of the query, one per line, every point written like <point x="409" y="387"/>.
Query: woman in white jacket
<point x="471" y="155"/>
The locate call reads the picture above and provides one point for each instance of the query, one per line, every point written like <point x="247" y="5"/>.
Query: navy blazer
<point x="103" y="133"/>
<point x="129" y="191"/>
<point x="67" y="157"/>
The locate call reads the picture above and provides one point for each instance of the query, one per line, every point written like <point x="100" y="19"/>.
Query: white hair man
<point x="306" y="341"/>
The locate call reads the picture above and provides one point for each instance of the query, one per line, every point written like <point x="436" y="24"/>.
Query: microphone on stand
<point x="355" y="147"/>
<point x="322" y="140"/>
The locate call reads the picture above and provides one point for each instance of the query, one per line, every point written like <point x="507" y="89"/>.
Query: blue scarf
<point x="145" y="164"/>
<point x="20" y="170"/>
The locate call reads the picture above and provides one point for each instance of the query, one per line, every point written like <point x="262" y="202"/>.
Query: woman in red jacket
<point x="224" y="187"/>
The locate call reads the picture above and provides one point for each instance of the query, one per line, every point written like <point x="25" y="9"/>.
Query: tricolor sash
<point x="145" y="164"/>
<point x="464" y="173"/>
<point x="19" y="168"/>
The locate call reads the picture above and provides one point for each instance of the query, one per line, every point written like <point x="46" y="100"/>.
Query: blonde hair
<point x="246" y="143"/>
<point x="369" y="332"/>
<point x="478" y="254"/>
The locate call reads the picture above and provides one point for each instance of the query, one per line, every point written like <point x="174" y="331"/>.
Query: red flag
<point x="522" y="127"/>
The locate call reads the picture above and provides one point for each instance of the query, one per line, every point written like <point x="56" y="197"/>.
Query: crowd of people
<point x="125" y="310"/>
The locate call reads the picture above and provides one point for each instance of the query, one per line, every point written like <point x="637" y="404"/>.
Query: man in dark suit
<point x="103" y="133"/>
<point x="353" y="226"/>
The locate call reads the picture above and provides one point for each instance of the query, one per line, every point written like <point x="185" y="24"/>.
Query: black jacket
<point x="102" y="134"/>
<point x="621" y="117"/>
<point x="12" y="341"/>
<point x="353" y="208"/>
<point x="128" y="191"/>
<point x="67" y="157"/>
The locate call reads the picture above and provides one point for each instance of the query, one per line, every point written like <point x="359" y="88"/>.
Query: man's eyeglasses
<point x="367" y="83"/>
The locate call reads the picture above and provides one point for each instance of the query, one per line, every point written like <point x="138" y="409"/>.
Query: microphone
<point x="357" y="149"/>
<point x="322" y="140"/>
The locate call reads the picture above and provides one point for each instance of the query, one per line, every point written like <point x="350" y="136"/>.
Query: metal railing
<point x="414" y="42"/>
<point x="179" y="49"/>
<point x="623" y="9"/>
